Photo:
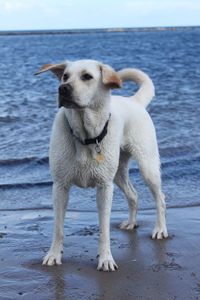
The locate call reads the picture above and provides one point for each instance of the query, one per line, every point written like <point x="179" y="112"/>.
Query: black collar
<point x="95" y="140"/>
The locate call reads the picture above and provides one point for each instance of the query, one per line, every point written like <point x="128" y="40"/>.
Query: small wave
<point x="171" y="168"/>
<point x="176" y="167"/>
<point x="18" y="161"/>
<point x="8" y="118"/>
<point x="25" y="185"/>
<point x="183" y="161"/>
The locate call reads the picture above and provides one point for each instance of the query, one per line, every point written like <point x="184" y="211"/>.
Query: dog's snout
<point x="65" y="89"/>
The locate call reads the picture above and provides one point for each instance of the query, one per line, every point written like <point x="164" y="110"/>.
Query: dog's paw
<point x="52" y="258"/>
<point x="128" y="225"/>
<point x="159" y="233"/>
<point x="107" y="264"/>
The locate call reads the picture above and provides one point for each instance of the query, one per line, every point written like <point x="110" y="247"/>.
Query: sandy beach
<point x="167" y="269"/>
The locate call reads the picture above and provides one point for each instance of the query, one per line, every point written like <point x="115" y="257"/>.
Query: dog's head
<point x="83" y="83"/>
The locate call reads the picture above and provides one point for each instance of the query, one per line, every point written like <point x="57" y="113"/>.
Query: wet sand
<point x="168" y="269"/>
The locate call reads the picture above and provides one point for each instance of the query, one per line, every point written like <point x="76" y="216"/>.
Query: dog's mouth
<point x="68" y="103"/>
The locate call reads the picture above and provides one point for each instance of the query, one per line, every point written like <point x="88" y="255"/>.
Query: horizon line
<point x="87" y="30"/>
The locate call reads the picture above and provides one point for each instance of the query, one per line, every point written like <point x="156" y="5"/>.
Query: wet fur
<point x="131" y="135"/>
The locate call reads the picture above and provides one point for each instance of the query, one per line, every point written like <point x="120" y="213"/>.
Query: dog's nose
<point x="65" y="89"/>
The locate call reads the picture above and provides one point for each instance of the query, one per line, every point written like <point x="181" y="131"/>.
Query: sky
<point x="75" y="14"/>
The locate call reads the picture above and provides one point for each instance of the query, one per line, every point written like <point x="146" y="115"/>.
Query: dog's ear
<point x="56" y="69"/>
<point x="110" y="77"/>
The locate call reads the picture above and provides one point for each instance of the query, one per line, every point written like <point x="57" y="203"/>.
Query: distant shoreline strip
<point x="103" y="30"/>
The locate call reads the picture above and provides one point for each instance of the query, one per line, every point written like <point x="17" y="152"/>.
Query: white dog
<point x="94" y="137"/>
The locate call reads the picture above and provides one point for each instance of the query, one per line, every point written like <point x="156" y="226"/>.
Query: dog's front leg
<point x="60" y="199"/>
<point x="104" y="203"/>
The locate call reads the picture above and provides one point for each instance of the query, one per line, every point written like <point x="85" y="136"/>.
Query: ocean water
<point x="28" y="105"/>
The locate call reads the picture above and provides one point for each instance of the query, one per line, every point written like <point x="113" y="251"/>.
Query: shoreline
<point x="97" y="30"/>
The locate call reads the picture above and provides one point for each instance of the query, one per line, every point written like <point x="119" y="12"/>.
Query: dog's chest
<point x="75" y="164"/>
<point x="89" y="168"/>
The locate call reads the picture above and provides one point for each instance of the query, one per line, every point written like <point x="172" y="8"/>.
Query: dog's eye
<point x="86" y="76"/>
<point x="65" y="77"/>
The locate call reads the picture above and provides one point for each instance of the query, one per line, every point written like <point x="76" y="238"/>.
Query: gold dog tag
<point x="100" y="157"/>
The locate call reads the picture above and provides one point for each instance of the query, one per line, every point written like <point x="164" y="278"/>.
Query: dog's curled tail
<point x="146" y="90"/>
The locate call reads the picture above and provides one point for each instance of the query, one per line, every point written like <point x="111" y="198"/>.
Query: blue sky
<point x="69" y="14"/>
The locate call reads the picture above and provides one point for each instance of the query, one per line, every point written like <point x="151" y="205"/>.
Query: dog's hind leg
<point x="150" y="169"/>
<point x="60" y="199"/>
<point x="123" y="182"/>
